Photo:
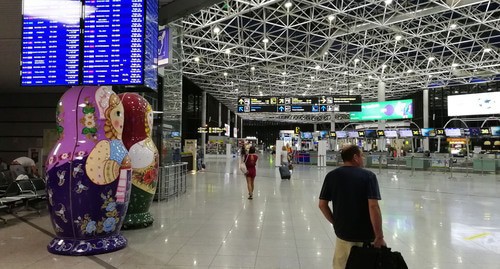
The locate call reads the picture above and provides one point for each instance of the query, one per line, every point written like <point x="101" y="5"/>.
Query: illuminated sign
<point x="389" y="110"/>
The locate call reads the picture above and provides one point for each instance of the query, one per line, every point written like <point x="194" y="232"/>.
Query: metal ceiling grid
<point x="315" y="47"/>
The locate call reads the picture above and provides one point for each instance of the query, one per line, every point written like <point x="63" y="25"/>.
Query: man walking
<point x="355" y="213"/>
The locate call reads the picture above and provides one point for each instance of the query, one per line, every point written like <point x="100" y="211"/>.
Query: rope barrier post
<point x="379" y="164"/>
<point x="451" y="168"/>
<point x="482" y="167"/>
<point x="467" y="166"/>
<point x="412" y="166"/>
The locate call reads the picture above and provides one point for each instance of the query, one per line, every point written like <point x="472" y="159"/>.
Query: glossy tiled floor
<point x="436" y="222"/>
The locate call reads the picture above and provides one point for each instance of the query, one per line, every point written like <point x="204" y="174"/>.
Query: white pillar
<point x="426" y="117"/>
<point x="333" y="141"/>
<point x="228" y="117"/>
<point x="315" y="127"/>
<point x="220" y="114"/>
<point x="203" y="119"/>
<point x="381" y="123"/>
<point x="241" y="128"/>
<point x="235" y="124"/>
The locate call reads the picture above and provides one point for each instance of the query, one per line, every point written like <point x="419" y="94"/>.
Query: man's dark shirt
<point x="349" y="189"/>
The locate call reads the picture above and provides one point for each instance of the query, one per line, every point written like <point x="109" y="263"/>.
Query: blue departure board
<point x="50" y="53"/>
<point x="114" y="42"/>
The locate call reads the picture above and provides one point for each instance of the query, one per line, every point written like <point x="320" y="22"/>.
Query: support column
<point x="235" y="124"/>
<point x="241" y="128"/>
<point x="381" y="123"/>
<point x="220" y="114"/>
<point x="333" y="144"/>
<point x="426" y="117"/>
<point x="315" y="127"/>
<point x="204" y="120"/>
<point x="229" y="117"/>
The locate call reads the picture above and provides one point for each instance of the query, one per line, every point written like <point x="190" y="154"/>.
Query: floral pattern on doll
<point x="52" y="159"/>
<point x="60" y="120"/>
<point x="80" y="187"/>
<point x="88" y="121"/>
<point x="65" y="156"/>
<point x="109" y="223"/>
<point x="87" y="225"/>
<point x="106" y="158"/>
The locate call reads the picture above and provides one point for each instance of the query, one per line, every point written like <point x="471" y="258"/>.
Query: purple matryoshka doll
<point x="144" y="157"/>
<point x="88" y="173"/>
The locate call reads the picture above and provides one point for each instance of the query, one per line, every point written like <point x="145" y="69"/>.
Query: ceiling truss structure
<point x="316" y="47"/>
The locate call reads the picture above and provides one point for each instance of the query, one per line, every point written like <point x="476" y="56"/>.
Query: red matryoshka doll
<point x="88" y="173"/>
<point x="144" y="157"/>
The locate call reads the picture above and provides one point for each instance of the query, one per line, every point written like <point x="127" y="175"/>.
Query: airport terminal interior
<point x="123" y="125"/>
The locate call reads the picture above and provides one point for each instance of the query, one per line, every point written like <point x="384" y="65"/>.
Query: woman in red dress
<point x="251" y="162"/>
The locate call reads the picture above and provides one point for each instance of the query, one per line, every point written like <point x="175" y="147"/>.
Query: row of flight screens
<point x="405" y="133"/>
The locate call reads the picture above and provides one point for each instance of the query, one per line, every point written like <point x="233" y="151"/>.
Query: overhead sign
<point x="474" y="104"/>
<point x="340" y="103"/>
<point x="389" y="110"/>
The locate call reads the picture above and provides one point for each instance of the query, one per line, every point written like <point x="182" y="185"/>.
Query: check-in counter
<point x="485" y="163"/>
<point x="376" y="159"/>
<point x="419" y="161"/>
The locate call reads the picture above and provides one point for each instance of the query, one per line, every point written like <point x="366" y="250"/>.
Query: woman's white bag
<point x="243" y="166"/>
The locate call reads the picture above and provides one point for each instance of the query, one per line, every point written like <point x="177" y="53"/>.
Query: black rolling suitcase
<point x="285" y="172"/>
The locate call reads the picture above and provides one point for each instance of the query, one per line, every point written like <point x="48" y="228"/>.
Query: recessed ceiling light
<point x="430" y="75"/>
<point x="236" y="90"/>
<point x="260" y="93"/>
<point x="453" y="26"/>
<point x="384" y="66"/>
<point x="398" y="37"/>
<point x="317" y="67"/>
<point x="258" y="86"/>
<point x="487" y="50"/>
<point x="359" y="85"/>
<point x="288" y="4"/>
<point x="432" y="58"/>
<point x="312" y="77"/>
<point x="252" y="68"/>
<point x="216" y="30"/>
<point x="283" y="82"/>
<point x="409" y="71"/>
<point x="283" y="73"/>
<point x="388" y="2"/>
<point x="330" y="88"/>
<point x="370" y="76"/>
<point x="331" y="17"/>
<point x="196" y="59"/>
<point x="228" y="51"/>
<point x="225" y="74"/>
<point x="326" y="53"/>
<point x="356" y="60"/>
<point x="345" y="73"/>
<point x="454" y="65"/>
<point x="265" y="40"/>
<point x="308" y="85"/>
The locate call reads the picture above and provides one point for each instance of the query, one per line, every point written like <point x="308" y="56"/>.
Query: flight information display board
<point x="50" y="52"/>
<point x="116" y="43"/>
<point x="341" y="103"/>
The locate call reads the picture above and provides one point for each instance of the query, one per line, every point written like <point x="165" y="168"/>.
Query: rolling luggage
<point x="285" y="172"/>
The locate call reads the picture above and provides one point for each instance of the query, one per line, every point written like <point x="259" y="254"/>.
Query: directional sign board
<point x="286" y="104"/>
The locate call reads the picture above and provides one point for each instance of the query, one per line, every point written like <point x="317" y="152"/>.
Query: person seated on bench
<point x="23" y="166"/>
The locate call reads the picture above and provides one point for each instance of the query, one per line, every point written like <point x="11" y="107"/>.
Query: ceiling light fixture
<point x="384" y="66"/>
<point x="284" y="73"/>
<point x="261" y="93"/>
<point x="359" y="85"/>
<point x="370" y="76"/>
<point x="197" y="59"/>
<point x="453" y="26"/>
<point x="265" y="40"/>
<point x="331" y="18"/>
<point x="283" y="82"/>
<point x="228" y="51"/>
<point x="409" y="71"/>
<point x="432" y="58"/>
<point x="308" y="85"/>
<point x="216" y="30"/>
<point x="388" y="2"/>
<point x="356" y="60"/>
<point x="225" y="74"/>
<point x="288" y="4"/>
<point x="487" y="50"/>
<point x="398" y="37"/>
<point x="252" y="68"/>
<point x="317" y="67"/>
<point x="454" y="65"/>
<point x="312" y="77"/>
